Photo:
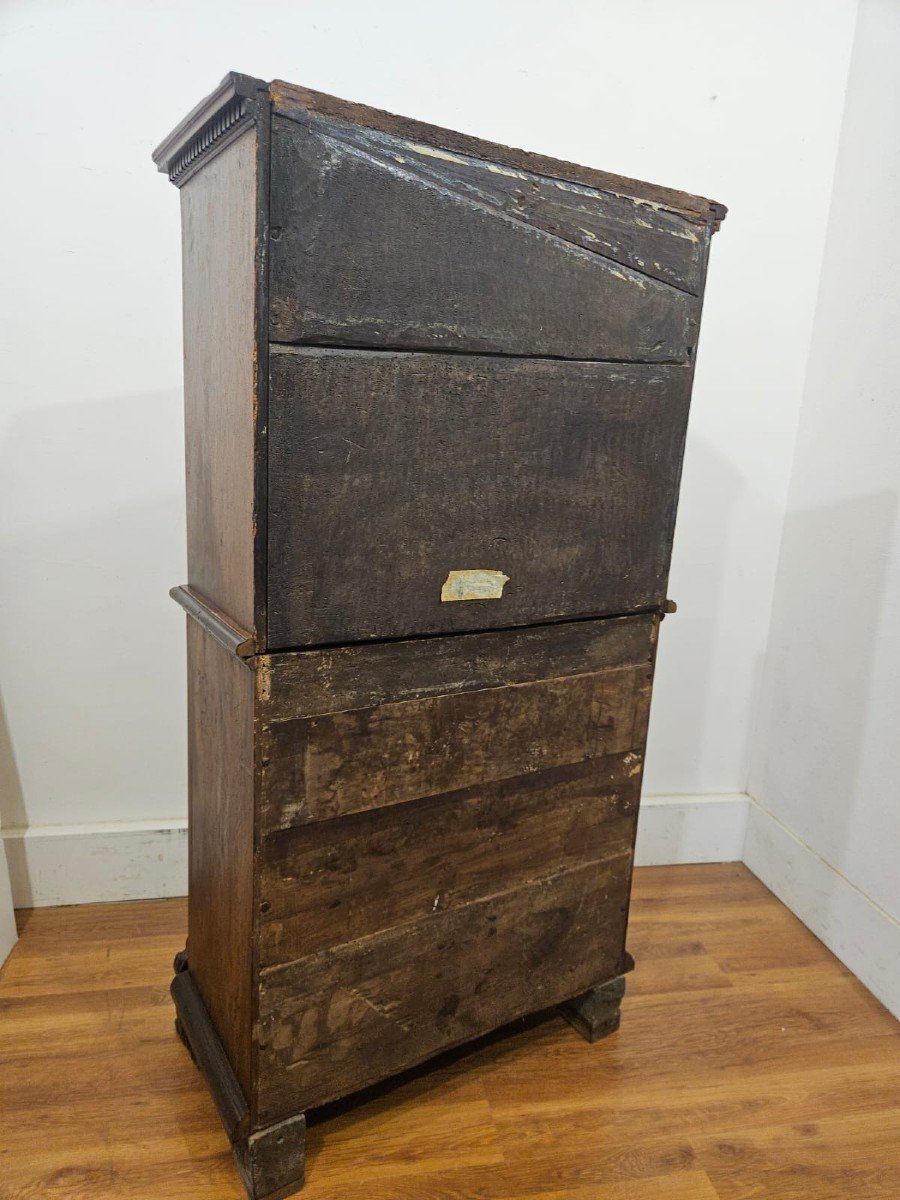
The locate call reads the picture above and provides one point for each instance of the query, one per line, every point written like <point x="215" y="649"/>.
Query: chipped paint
<point x="264" y="678"/>
<point x="634" y="762"/>
<point x="433" y="152"/>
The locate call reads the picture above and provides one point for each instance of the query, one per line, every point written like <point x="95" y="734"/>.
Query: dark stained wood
<point x="370" y="249"/>
<point x="650" y="240"/>
<point x="562" y="475"/>
<point x="294" y="686"/>
<point x="272" y="1162"/>
<point x="220" y="843"/>
<point x="292" y="100"/>
<point x="596" y="1013"/>
<point x="362" y="756"/>
<point x="339" y="1020"/>
<point x="323" y="884"/>
<point x="196" y="1030"/>
<point x="219" y="225"/>
<point x="217" y="625"/>
<point x="348" y="762"/>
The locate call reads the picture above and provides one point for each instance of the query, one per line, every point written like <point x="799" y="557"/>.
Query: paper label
<point x="474" y="585"/>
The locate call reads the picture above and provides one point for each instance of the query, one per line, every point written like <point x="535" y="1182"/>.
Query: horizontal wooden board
<point x="306" y="684"/>
<point x="302" y="103"/>
<point x="329" y="883"/>
<point x="661" y="244"/>
<point x="389" y="470"/>
<point x="334" y="1022"/>
<point x="339" y="763"/>
<point x="379" y="241"/>
<point x="366" y="727"/>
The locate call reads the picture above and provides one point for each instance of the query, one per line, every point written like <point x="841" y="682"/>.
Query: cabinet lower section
<point x="396" y="848"/>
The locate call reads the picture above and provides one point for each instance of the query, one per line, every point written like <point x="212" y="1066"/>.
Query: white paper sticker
<point x="474" y="585"/>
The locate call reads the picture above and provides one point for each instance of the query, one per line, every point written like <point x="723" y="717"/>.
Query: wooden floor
<point x="749" y="1065"/>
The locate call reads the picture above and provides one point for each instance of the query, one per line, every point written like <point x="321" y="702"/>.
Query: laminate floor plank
<point x="750" y="1065"/>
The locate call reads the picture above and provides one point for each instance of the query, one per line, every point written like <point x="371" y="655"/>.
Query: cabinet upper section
<point x="499" y="387"/>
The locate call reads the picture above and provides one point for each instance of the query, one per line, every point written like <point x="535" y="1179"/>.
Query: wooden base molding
<point x="271" y="1160"/>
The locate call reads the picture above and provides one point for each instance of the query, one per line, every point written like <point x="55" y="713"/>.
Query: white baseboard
<point x="691" y="829"/>
<point x="85" y="864"/>
<point x="863" y="936"/>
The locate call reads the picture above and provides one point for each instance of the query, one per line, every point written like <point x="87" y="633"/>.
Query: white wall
<point x="741" y="101"/>
<point x="825" y="830"/>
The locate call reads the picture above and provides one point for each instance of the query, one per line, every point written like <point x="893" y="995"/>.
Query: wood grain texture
<point x="299" y="102"/>
<point x="502" y="885"/>
<point x="750" y="1064"/>
<point x="379" y="242"/>
<point x="362" y="756"/>
<point x="342" y="763"/>
<point x="323" y="885"/>
<point x="387" y="470"/>
<point x="352" y="1015"/>
<point x="219" y="248"/>
<point x="650" y="240"/>
<point x="295" y="686"/>
<point x="220" y="840"/>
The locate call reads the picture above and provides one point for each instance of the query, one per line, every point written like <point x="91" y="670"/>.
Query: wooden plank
<point x="562" y="475"/>
<point x="220" y="840"/>
<point x="327" y="884"/>
<point x="371" y="251"/>
<point x="295" y="686"/>
<point x="342" y="1019"/>
<point x="348" y="762"/>
<point x="299" y="102"/>
<point x="219" y="223"/>
<point x="651" y="240"/>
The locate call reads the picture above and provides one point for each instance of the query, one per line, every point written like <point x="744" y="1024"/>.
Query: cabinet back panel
<point x="387" y="471"/>
<point x="433" y="866"/>
<point x="348" y="762"/>
<point x="378" y="241"/>
<point x="358" y="1013"/>
<point x="323" y="884"/>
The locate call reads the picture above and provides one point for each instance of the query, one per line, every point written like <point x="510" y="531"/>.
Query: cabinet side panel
<point x="220" y="775"/>
<point x="219" y="219"/>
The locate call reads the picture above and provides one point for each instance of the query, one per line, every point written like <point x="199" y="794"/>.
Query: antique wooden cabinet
<point x="436" y="396"/>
